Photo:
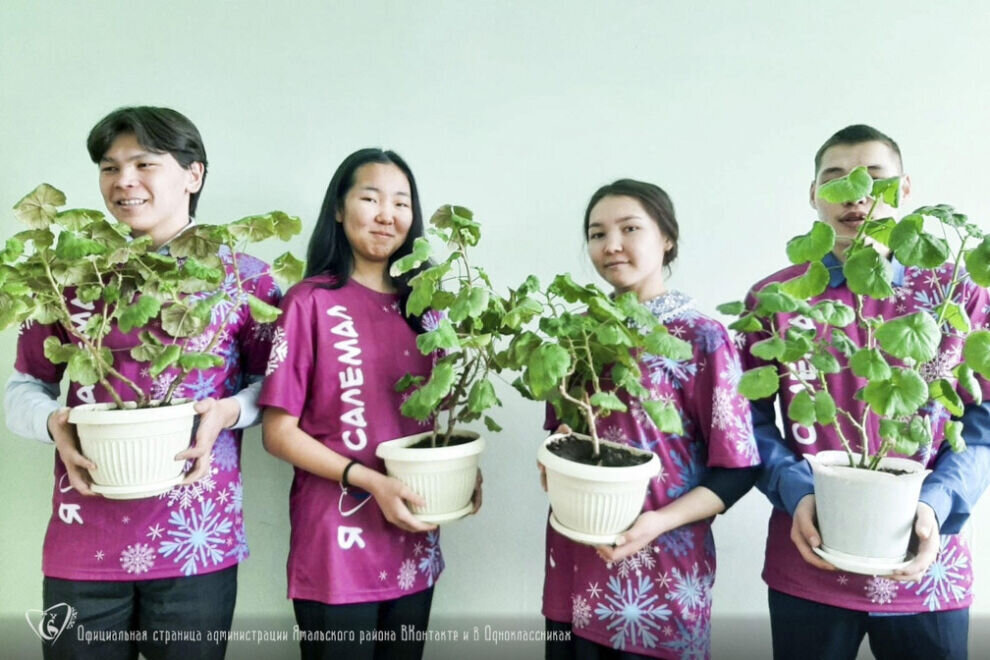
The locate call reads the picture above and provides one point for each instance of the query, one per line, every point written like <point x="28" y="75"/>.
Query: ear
<point x="811" y="193"/>
<point x="195" y="177"/>
<point x="905" y="187"/>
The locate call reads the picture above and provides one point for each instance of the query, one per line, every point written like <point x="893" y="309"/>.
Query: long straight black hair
<point x="330" y="252"/>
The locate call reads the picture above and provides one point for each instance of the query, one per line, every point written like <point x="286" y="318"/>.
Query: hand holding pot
<point x="392" y="495"/>
<point x="67" y="444"/>
<point x="214" y="416"/>
<point x="476" y="496"/>
<point x="928" y="541"/>
<point x="804" y="533"/>
<point x="648" y="526"/>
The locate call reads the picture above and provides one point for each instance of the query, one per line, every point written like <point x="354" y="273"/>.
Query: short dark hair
<point x="857" y="134"/>
<point x="329" y="251"/>
<point x="161" y="130"/>
<point x="655" y="202"/>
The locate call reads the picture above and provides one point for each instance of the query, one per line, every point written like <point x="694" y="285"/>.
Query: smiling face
<point x="837" y="161"/>
<point x="146" y="190"/>
<point x="627" y="247"/>
<point x="376" y="216"/>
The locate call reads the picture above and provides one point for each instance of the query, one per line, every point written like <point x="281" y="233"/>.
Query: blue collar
<point x="837" y="278"/>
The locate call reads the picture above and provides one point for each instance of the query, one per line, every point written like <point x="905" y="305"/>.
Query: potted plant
<point x="164" y="301"/>
<point x="582" y="360"/>
<point x="464" y="317"/>
<point x="909" y="369"/>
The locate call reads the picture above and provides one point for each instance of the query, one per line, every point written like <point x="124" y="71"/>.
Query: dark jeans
<point x="579" y="648"/>
<point x="806" y="630"/>
<point x="364" y="631"/>
<point x="160" y="618"/>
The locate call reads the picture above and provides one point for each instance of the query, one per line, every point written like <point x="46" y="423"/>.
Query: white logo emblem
<point x="48" y="625"/>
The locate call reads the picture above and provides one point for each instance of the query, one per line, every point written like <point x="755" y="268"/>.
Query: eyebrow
<point x="378" y="190"/>
<point x="139" y="156"/>
<point x="839" y="170"/>
<point x="625" y="218"/>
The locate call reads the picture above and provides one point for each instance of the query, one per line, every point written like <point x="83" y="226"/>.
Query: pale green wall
<point x="518" y="110"/>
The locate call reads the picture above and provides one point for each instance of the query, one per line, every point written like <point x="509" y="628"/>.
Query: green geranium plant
<point x="583" y="353"/>
<point x="167" y="298"/>
<point x="465" y="318"/>
<point x="893" y="359"/>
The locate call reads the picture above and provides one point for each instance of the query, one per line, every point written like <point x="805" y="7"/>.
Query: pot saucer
<point x="138" y="491"/>
<point x="581" y="537"/>
<point x="861" y="565"/>
<point x="445" y="517"/>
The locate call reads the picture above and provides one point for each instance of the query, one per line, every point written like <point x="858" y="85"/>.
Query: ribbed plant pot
<point x="444" y="476"/>
<point x="865" y="517"/>
<point x="133" y="449"/>
<point x="590" y="503"/>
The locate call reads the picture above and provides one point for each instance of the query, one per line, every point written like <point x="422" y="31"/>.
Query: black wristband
<point x="343" y="478"/>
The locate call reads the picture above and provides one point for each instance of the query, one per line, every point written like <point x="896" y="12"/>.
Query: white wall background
<point x="518" y="110"/>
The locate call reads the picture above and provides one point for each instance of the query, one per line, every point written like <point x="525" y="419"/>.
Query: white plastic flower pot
<point x="133" y="449"/>
<point x="866" y="517"/>
<point x="444" y="476"/>
<point x="593" y="504"/>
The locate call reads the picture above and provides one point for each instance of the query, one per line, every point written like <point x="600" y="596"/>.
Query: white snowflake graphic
<point x="417" y="548"/>
<point x="842" y="579"/>
<point x="223" y="496"/>
<point x="225" y="451"/>
<point x="239" y="544"/>
<point x="613" y="433"/>
<point x="723" y="411"/>
<point x="137" y="558"/>
<point x="580" y="611"/>
<point x="431" y="563"/>
<point x="126" y="520"/>
<point x="945" y="579"/>
<point x="663" y="580"/>
<point x="382" y="576"/>
<point x="196" y="537"/>
<point x="691" y="643"/>
<point x="635" y="563"/>
<point x="279" y="351"/>
<point x="632" y="612"/>
<point x="160" y="385"/>
<point x="201" y="388"/>
<point x="407" y="574"/>
<point x="639" y="414"/>
<point x="155" y="532"/>
<point x="692" y="592"/>
<point x="881" y="590"/>
<point x="236" y="504"/>
<point x="99" y="555"/>
<point x="593" y="590"/>
<point x="184" y="494"/>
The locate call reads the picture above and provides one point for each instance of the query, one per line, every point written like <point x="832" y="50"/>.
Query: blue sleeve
<point x="958" y="480"/>
<point x="785" y="478"/>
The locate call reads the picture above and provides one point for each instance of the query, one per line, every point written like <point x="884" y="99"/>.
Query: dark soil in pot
<point x="426" y="443"/>
<point x="582" y="451"/>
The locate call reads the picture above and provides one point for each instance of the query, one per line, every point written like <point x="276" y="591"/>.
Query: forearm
<point x="28" y="404"/>
<point x="699" y="503"/>
<point x="785" y="478"/>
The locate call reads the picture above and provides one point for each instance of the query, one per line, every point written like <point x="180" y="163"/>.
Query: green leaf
<point x="607" y="401"/>
<point x="802" y="409"/>
<point x="166" y="358"/>
<point x="969" y="383"/>
<point x="868" y="363"/>
<point x="37" y="209"/>
<point x="869" y="274"/>
<point x="470" y="303"/>
<point x="200" y="361"/>
<point x="920" y="431"/>
<point x="913" y="246"/>
<point x="891" y="429"/>
<point x="482" y="397"/>
<point x="662" y="343"/>
<point x="492" y="425"/>
<point x="138" y="314"/>
<point x="603" y="309"/>
<point x="408" y="381"/>
<point x="545" y="368"/>
<point x="734" y="308"/>
<point x="565" y="287"/>
<point x="286" y="226"/>
<point x="422" y="403"/>
<point x="12" y="250"/>
<point x="978" y="263"/>
<point x="459" y="221"/>
<point x="89" y="293"/>
<point x="72" y="247"/>
<point x="759" y="383"/>
<point x="880" y="229"/>
<point x="443" y="337"/>
<point x="811" y="246"/>
<point x="287" y="270"/>
<point x="797" y="345"/>
<point x="57" y="352"/>
<point x="612" y="334"/>
<point x="773" y="300"/>
<point x="824" y="361"/>
<point x="943" y="392"/>
<point x="635" y="311"/>
<point x="664" y="415"/>
<point x="178" y="320"/>
<point x="253" y="228"/>
<point x="954" y="314"/>
<point x="976" y="352"/>
<point x="888" y="190"/>
<point x="201" y="242"/>
<point x="768" y="349"/>
<point x="261" y="311"/>
<point x="413" y="260"/>
<point x="521" y="313"/>
<point x="914" y="336"/>
<point x="825" y="410"/>
<point x="842" y="343"/>
<point x="84" y="369"/>
<point x="835" y="313"/>
<point x="747" y="323"/>
<point x="76" y="219"/>
<point x="905" y="444"/>
<point x="810" y="284"/>
<point x="899" y="396"/>
<point x="852" y="187"/>
<point x="953" y="435"/>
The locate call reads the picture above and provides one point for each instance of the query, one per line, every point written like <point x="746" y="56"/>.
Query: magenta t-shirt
<point x="948" y="582"/>
<point x="188" y="530"/>
<point x="336" y="357"/>
<point x="658" y="601"/>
